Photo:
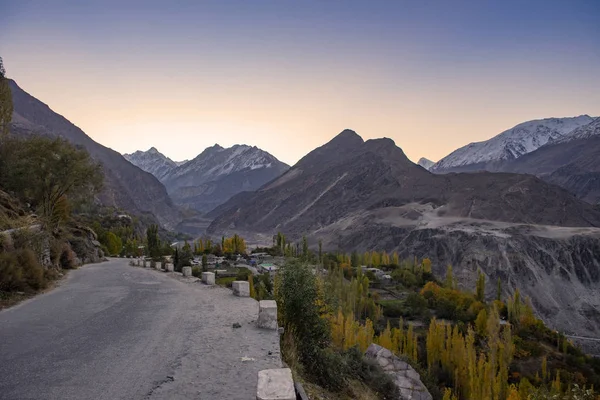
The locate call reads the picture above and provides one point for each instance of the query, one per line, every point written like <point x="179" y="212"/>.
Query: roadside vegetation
<point x="42" y="180"/>
<point x="464" y="344"/>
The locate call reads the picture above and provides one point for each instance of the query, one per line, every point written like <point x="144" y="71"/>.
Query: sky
<point x="287" y="76"/>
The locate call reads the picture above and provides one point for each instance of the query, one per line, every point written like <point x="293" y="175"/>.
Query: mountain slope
<point x="348" y="175"/>
<point x="219" y="173"/>
<point x="356" y="195"/>
<point x="510" y="144"/>
<point x="152" y="161"/>
<point x="573" y="162"/>
<point x="125" y="185"/>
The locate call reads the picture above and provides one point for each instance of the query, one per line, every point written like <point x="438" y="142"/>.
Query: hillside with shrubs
<point x="465" y="343"/>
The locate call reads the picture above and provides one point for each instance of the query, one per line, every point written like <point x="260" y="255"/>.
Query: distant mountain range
<point x="212" y="177"/>
<point x="509" y="145"/>
<point x="563" y="151"/>
<point x="125" y="185"/>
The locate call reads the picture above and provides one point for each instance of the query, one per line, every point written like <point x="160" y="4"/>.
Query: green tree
<point x="153" y="241"/>
<point x="297" y="298"/>
<point x="480" y="292"/>
<point x="499" y="290"/>
<point x="114" y="245"/>
<point x="320" y="252"/>
<point x="185" y="257"/>
<point x="46" y="171"/>
<point x="204" y="263"/>
<point x="304" y="248"/>
<point x="6" y="104"/>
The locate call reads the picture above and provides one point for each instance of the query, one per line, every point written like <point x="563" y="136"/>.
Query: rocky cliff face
<point x="558" y="268"/>
<point x="125" y="185"/>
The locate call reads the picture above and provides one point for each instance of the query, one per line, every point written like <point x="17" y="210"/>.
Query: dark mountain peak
<point x="348" y="138"/>
<point x="387" y="149"/>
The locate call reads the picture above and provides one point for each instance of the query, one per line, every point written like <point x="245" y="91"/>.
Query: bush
<point x="242" y="274"/>
<point x="67" y="257"/>
<point x="197" y="272"/>
<point x="416" y="304"/>
<point x="371" y="374"/>
<point x="20" y="270"/>
<point x="392" y="308"/>
<point x="298" y="297"/>
<point x="227" y="281"/>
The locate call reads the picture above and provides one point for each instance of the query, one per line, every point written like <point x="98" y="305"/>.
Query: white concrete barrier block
<point x="138" y="262"/>
<point x="187" y="271"/>
<point x="158" y="265"/>
<point x="144" y="264"/>
<point x="267" y="314"/>
<point x="275" y="384"/>
<point x="170" y="267"/>
<point x="241" y="288"/>
<point x="208" y="278"/>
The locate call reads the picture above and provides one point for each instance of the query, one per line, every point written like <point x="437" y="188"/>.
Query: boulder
<point x="267" y="314"/>
<point x="241" y="288"/>
<point x="208" y="278"/>
<point x="405" y="377"/>
<point x="187" y="271"/>
<point x="275" y="384"/>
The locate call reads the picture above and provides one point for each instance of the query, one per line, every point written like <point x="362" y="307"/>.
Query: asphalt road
<point x="111" y="331"/>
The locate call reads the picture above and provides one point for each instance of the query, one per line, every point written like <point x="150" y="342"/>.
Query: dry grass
<point x="11" y="299"/>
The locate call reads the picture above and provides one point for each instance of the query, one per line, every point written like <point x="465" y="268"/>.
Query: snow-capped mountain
<point x="216" y="161"/>
<point x="510" y="144"/>
<point x="213" y="176"/>
<point x="425" y="163"/>
<point x="152" y="161"/>
<point x="583" y="132"/>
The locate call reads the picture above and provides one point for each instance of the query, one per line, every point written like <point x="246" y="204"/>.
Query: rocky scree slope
<point x="125" y="185"/>
<point x="356" y="195"/>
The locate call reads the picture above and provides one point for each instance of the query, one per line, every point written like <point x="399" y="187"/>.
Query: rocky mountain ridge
<point x="365" y="195"/>
<point x="152" y="161"/>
